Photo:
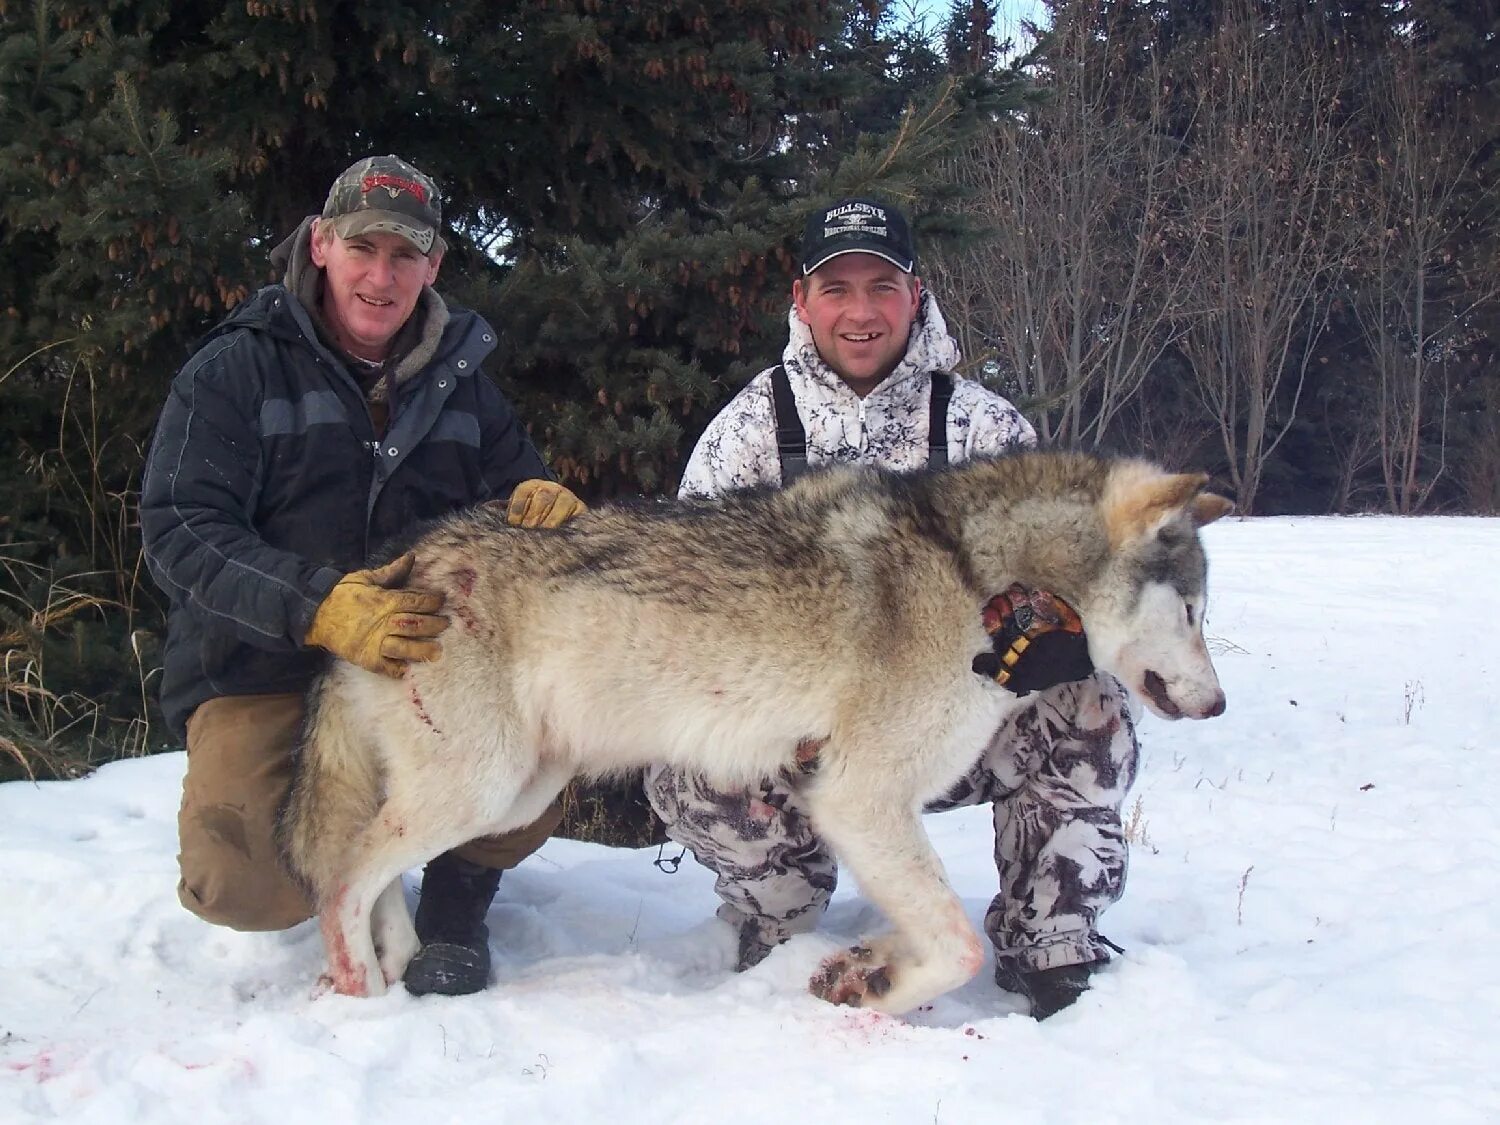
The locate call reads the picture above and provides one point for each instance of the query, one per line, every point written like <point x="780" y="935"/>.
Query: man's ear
<point x="316" y="248"/>
<point x="434" y="260"/>
<point x="799" y="298"/>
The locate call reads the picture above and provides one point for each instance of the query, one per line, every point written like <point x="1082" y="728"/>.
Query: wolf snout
<point x="1211" y="707"/>
<point x="1188" y="704"/>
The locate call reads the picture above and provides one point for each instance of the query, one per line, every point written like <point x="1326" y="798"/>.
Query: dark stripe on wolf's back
<point x="764" y="531"/>
<point x="749" y="536"/>
<point x="915" y="492"/>
<point x="765" y="537"/>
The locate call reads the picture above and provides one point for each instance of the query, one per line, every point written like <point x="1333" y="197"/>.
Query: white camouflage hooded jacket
<point x="888" y="427"/>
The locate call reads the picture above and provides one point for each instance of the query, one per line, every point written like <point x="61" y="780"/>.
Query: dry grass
<point x="55" y="612"/>
<point x="614" y="813"/>
<point x="1135" y="827"/>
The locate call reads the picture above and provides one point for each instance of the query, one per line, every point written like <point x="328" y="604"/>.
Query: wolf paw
<point x="394" y="952"/>
<point x="348" y="983"/>
<point x="852" y="977"/>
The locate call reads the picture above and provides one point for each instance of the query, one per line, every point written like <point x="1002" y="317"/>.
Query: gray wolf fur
<point x="720" y="638"/>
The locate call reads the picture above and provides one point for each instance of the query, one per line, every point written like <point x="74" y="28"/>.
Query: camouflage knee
<point x="774" y="876"/>
<point x="1059" y="845"/>
<point x="1090" y="739"/>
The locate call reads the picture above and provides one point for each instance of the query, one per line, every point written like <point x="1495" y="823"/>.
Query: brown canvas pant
<point x="239" y="768"/>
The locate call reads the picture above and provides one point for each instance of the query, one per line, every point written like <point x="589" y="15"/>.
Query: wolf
<point x="772" y="631"/>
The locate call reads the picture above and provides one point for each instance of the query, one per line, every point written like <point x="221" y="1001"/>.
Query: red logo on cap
<point x="393" y="183"/>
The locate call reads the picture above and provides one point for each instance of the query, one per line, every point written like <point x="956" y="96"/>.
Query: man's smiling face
<point x="860" y="309"/>
<point x="371" y="283"/>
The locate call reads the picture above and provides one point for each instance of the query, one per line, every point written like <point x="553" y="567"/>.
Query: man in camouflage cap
<point x="385" y="193"/>
<point x="324" y="417"/>
<point x="381" y="211"/>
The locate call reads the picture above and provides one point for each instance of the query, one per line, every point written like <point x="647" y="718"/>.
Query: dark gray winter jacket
<point x="266" y="484"/>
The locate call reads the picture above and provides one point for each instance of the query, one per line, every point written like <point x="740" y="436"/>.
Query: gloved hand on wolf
<point x="368" y="620"/>
<point x="542" y="503"/>
<point x="1037" y="641"/>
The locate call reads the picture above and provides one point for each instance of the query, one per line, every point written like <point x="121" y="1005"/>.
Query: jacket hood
<point x="928" y="348"/>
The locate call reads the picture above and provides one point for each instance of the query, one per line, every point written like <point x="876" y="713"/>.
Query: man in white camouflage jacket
<point x="859" y="376"/>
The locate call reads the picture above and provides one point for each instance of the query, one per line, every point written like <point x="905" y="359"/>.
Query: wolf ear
<point x="1138" y="501"/>
<point x="1207" y="507"/>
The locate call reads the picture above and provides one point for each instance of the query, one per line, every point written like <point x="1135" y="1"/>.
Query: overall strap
<point x="937" y="425"/>
<point x="791" y="438"/>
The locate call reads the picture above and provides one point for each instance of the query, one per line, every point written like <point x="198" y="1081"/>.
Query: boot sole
<point x="445" y="969"/>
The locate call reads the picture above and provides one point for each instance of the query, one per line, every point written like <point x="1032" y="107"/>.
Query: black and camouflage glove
<point x="1037" y="642"/>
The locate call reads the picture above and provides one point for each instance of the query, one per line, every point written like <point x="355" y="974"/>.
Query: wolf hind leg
<point x="333" y="800"/>
<point x="933" y="948"/>
<point x="335" y="790"/>
<point x="368" y="899"/>
<point x="415" y="824"/>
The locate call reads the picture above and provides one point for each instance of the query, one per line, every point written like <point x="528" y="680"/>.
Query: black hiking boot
<point x="1049" y="990"/>
<point x="455" y="956"/>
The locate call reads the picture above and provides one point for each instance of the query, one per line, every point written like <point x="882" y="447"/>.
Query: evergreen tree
<point x="625" y="187"/>
<point x="658" y="281"/>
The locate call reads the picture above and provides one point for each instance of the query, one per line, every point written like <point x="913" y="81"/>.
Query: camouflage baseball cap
<point x="385" y="193"/>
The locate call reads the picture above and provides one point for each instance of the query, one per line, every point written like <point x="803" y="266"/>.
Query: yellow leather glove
<point x="367" y="621"/>
<point x="542" y="503"/>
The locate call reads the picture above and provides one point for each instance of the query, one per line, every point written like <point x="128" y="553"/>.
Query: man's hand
<point x="367" y="621"/>
<point x="542" y="503"/>
<point x="1051" y="659"/>
<point x="1038" y="642"/>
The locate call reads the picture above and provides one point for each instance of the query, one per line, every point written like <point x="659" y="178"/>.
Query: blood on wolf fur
<point x="465" y="617"/>
<point x="348" y="978"/>
<point x="416" y="701"/>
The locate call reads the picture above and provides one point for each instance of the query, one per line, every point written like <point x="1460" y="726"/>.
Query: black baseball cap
<point x="385" y="193"/>
<point x="858" y="226"/>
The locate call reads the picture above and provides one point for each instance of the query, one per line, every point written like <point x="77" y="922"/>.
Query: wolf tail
<point x="335" y="793"/>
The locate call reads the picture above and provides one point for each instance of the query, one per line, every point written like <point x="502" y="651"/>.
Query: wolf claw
<point x="848" y="978"/>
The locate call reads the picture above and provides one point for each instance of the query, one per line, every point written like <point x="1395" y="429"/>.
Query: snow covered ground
<point x="1312" y="924"/>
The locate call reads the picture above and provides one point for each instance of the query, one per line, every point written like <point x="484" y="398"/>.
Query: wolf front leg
<point x="878" y="835"/>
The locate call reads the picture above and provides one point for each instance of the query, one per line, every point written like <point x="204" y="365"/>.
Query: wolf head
<point x="1143" y="611"/>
